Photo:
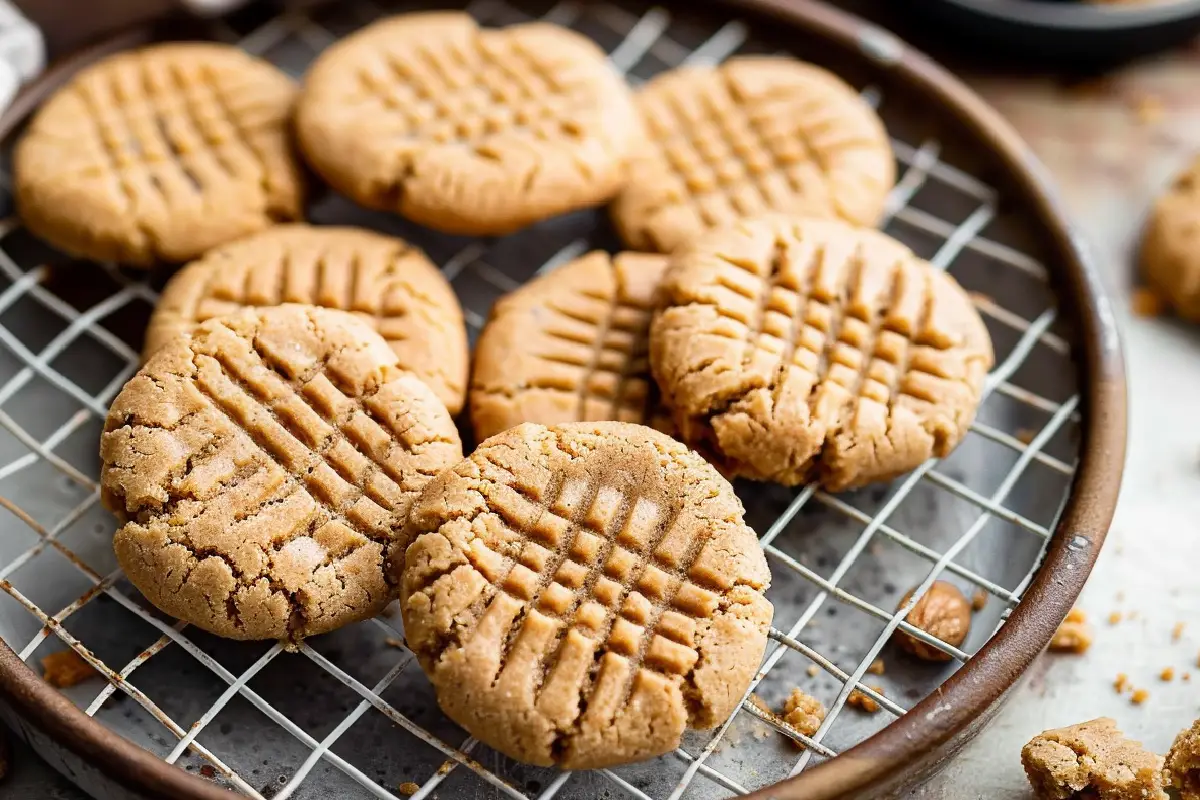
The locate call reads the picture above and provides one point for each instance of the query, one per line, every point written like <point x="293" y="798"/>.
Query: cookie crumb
<point x="877" y="667"/>
<point x="1089" y="758"/>
<point x="1168" y="674"/>
<point x="803" y="712"/>
<point x="943" y="612"/>
<point x="813" y="670"/>
<point x="1121" y="683"/>
<point x="1187" y="676"/>
<point x="978" y="600"/>
<point x="1074" y="635"/>
<point x="392" y="641"/>
<point x="65" y="669"/>
<point x="1114" y="618"/>
<point x="863" y="701"/>
<point x="1147" y="303"/>
<point x="1177" y="631"/>
<point x="1139" y="696"/>
<point x="1025" y="435"/>
<point x="408" y="788"/>
<point x="1182" y="768"/>
<point x="1148" y="108"/>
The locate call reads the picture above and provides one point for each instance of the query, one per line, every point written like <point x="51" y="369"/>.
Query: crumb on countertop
<point x="1177" y="631"/>
<point x="1147" y="303"/>
<point x="1139" y="696"/>
<point x="978" y="600"/>
<point x="1121" y="683"/>
<point x="1167" y="674"/>
<point x="1114" y="617"/>
<point x="877" y="667"/>
<point x="1074" y="635"/>
<point x="65" y="669"/>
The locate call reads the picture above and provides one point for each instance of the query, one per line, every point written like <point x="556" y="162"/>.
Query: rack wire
<point x="826" y="551"/>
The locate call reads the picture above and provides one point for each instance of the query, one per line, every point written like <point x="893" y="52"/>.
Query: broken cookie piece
<point x="1092" y="759"/>
<point x="1182" y="770"/>
<point x="803" y="712"/>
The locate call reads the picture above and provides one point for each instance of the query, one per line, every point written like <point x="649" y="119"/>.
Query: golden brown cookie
<point x="160" y="154"/>
<point x="795" y="349"/>
<point x="467" y="130"/>
<point x="385" y="281"/>
<point x="1182" y="768"/>
<point x="1091" y="759"/>
<point x="579" y="595"/>
<point x="1171" y="244"/>
<point x="571" y="346"/>
<point x="261" y="464"/>
<point x="753" y="135"/>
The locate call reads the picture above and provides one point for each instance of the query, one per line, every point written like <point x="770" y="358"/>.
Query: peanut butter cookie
<point x="1091" y="759"/>
<point x="386" y="282"/>
<point x="796" y="349"/>
<point x="571" y="346"/>
<point x="261" y="464"/>
<point x="160" y="154"/>
<point x="1171" y="244"/>
<point x="1182" y="770"/>
<point x="753" y="135"/>
<point x="581" y="594"/>
<point x="467" y="130"/>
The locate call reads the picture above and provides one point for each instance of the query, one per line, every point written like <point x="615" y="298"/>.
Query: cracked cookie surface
<point x="571" y="346"/>
<point x="580" y="594"/>
<point x="1171" y="244"/>
<point x="1091" y="759"/>
<point x="754" y="135"/>
<point x="467" y="130"/>
<point x="382" y="280"/>
<point x="796" y="349"/>
<point x="160" y="154"/>
<point x="260" y="466"/>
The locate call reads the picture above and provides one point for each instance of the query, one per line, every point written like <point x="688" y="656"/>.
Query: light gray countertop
<point x="1110" y="156"/>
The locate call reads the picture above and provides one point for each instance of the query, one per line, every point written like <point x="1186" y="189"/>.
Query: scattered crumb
<point x="1025" y="435"/>
<point x="1146" y="303"/>
<point x="392" y="641"/>
<point x="65" y="669"/>
<point x="979" y="600"/>
<point x="1177" y="631"/>
<point x="1168" y="674"/>
<point x="876" y="667"/>
<point x="408" y="789"/>
<point x="1074" y="635"/>
<point x="1114" y="618"/>
<point x="864" y="702"/>
<point x="1121" y="683"/>
<point x="1139" y="696"/>
<point x="1187" y="676"/>
<point x="1091" y="759"/>
<point x="803" y="712"/>
<point x="813" y="670"/>
<point x="1148" y="108"/>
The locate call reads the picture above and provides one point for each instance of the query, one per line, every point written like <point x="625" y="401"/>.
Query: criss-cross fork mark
<point x="604" y="346"/>
<point x="441" y="93"/>
<point x="610" y="564"/>
<point x="166" y="135"/>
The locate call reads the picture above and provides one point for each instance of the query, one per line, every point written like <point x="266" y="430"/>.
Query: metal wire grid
<point x="639" y="35"/>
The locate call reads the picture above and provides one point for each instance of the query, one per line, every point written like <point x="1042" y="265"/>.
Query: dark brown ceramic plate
<point x="1019" y="511"/>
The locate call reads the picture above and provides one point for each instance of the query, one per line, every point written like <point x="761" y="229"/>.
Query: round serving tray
<point x="1019" y="511"/>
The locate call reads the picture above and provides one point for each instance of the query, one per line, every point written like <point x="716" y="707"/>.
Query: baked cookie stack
<point x="582" y="588"/>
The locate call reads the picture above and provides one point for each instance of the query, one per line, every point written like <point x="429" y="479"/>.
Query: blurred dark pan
<point x="1066" y="33"/>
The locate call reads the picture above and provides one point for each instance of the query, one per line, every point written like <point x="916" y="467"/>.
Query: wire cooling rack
<point x="351" y="715"/>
